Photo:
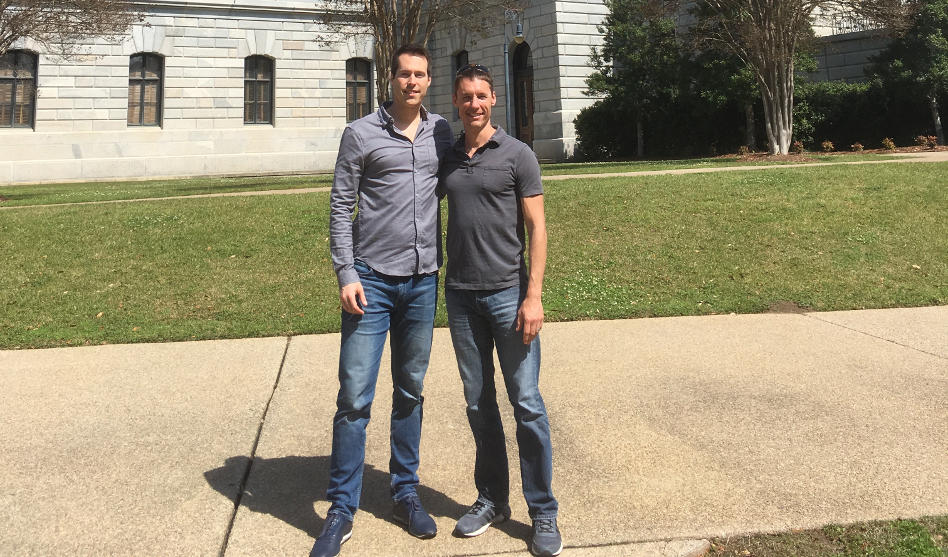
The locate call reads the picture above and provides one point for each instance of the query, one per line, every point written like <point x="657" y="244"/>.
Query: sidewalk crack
<point x="253" y="452"/>
<point x="814" y="316"/>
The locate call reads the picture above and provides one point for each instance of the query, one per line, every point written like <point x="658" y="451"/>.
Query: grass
<point x="827" y="238"/>
<point x="49" y="194"/>
<point x="841" y="237"/>
<point x="924" y="537"/>
<point x="716" y="162"/>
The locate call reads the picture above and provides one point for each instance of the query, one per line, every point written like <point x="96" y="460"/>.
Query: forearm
<point x="535" y="223"/>
<point x="537" y="265"/>
<point x="342" y="204"/>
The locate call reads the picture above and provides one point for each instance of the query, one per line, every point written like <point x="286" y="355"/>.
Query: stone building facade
<point x="86" y="123"/>
<point x="548" y="70"/>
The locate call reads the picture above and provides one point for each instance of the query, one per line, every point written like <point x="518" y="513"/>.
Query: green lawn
<point x="716" y="162"/>
<point x="827" y="238"/>
<point x="924" y="537"/>
<point x="49" y="194"/>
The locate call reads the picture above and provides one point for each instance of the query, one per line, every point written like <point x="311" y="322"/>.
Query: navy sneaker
<point x="479" y="518"/>
<point x="336" y="530"/>
<point x="546" y="538"/>
<point x="408" y="511"/>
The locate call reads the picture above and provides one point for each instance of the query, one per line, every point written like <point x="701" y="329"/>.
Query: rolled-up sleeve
<point x="342" y="203"/>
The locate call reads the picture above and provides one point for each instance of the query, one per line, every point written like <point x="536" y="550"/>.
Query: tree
<point x="765" y="35"/>
<point x="639" y="63"/>
<point x="393" y="23"/>
<point x="721" y="77"/>
<point x="919" y="58"/>
<point x="60" y="25"/>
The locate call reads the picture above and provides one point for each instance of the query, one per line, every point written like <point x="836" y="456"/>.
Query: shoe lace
<point x="477" y="507"/>
<point x="545" y="525"/>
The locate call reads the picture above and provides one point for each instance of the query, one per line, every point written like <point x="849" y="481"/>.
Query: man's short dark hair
<point x="474" y="71"/>
<point x="414" y="50"/>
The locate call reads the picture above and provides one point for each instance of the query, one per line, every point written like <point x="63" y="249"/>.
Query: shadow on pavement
<point x="289" y="487"/>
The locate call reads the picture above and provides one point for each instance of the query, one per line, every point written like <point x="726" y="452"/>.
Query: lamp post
<point x="510" y="16"/>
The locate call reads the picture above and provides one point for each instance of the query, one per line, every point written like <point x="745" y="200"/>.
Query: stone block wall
<point x="577" y="34"/>
<point x="80" y="130"/>
<point x="846" y="56"/>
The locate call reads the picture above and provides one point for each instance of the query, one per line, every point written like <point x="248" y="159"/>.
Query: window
<point x="17" y="89"/>
<point x="358" y="98"/>
<point x="460" y="60"/>
<point x="258" y="90"/>
<point x="145" y="77"/>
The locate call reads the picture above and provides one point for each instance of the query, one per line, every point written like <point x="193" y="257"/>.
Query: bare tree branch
<point x="60" y="25"/>
<point x="393" y="23"/>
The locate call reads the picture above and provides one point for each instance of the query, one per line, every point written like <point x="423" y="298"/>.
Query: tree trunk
<point x="639" y="138"/>
<point x="383" y="54"/>
<point x="936" y="118"/>
<point x="750" y="138"/>
<point x="776" y="88"/>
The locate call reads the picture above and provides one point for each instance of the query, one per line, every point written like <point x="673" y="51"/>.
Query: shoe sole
<point x="483" y="528"/>
<point x="406" y="525"/>
<point x="342" y="541"/>
<point x="554" y="554"/>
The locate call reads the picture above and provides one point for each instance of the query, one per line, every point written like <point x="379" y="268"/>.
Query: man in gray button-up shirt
<point x="387" y="261"/>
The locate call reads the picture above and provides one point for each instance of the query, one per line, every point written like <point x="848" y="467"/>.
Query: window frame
<point x="142" y="81"/>
<point x="353" y="84"/>
<point x="16" y="82"/>
<point x="256" y="59"/>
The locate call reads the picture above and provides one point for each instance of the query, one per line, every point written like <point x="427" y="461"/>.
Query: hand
<point x="352" y="298"/>
<point x="530" y="318"/>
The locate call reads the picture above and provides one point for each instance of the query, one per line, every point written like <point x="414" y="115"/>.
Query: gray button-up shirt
<point x="392" y="180"/>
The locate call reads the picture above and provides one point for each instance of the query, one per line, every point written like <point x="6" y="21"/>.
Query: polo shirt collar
<point x="496" y="140"/>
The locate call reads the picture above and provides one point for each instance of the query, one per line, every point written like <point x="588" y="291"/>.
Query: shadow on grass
<point x="288" y="487"/>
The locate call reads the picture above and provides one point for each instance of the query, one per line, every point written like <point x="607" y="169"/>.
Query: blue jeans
<point x="406" y="307"/>
<point x="480" y="320"/>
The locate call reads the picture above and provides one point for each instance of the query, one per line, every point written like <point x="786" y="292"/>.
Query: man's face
<point x="474" y="100"/>
<point x="411" y="80"/>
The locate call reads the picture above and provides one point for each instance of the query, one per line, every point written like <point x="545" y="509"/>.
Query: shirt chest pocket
<point x="496" y="180"/>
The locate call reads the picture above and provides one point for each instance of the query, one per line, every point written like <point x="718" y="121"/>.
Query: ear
<point x="493" y="98"/>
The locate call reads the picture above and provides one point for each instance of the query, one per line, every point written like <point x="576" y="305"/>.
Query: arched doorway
<point x="523" y="93"/>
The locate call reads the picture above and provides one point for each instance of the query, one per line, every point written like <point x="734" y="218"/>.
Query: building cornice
<point x="236" y="6"/>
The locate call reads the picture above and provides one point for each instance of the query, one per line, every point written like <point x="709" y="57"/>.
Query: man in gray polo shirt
<point x="492" y="182"/>
<point x="387" y="263"/>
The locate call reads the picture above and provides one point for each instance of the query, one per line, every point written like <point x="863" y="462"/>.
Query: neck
<point x="475" y="137"/>
<point x="403" y="114"/>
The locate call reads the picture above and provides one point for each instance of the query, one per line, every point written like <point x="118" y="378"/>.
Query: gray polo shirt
<point x="392" y="181"/>
<point x="486" y="239"/>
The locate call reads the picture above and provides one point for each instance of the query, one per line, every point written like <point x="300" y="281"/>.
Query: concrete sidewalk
<point x="666" y="432"/>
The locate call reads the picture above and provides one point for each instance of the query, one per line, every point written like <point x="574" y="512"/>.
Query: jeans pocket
<point x="361" y="267"/>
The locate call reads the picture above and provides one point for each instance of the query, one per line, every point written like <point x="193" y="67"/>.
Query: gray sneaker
<point x="546" y="538"/>
<point x="479" y="518"/>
